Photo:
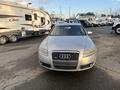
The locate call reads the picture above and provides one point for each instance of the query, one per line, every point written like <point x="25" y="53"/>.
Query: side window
<point x="35" y="16"/>
<point x="48" y="22"/>
<point x="42" y="21"/>
<point x="28" y="17"/>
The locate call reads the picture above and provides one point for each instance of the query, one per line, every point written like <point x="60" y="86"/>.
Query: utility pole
<point x="60" y="13"/>
<point x="69" y="12"/>
<point x="110" y="11"/>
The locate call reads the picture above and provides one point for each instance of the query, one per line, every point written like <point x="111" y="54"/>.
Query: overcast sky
<point x="75" y="5"/>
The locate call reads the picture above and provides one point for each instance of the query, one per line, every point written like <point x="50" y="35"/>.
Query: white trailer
<point x="18" y="21"/>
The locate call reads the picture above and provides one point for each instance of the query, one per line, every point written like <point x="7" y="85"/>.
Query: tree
<point x="87" y="14"/>
<point x="90" y="14"/>
<point x="103" y="15"/>
<point x="82" y="14"/>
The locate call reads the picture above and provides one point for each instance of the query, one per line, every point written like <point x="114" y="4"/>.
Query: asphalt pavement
<point x="20" y="70"/>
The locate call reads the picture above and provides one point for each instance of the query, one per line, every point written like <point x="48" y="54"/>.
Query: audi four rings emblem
<point x="65" y="56"/>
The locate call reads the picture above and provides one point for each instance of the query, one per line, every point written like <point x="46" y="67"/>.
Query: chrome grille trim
<point x="65" y="56"/>
<point x="66" y="64"/>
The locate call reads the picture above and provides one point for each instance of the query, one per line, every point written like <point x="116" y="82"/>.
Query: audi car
<point x="67" y="48"/>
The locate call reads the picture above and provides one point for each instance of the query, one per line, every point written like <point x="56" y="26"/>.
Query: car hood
<point x="69" y="43"/>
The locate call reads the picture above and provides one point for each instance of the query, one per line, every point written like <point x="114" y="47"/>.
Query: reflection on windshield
<point x="68" y="31"/>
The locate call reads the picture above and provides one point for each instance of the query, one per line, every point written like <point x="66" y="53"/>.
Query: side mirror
<point x="90" y="33"/>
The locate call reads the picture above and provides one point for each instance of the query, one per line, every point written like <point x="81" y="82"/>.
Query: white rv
<point x="18" y="21"/>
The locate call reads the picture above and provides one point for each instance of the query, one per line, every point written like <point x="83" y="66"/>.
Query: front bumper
<point x="86" y="67"/>
<point x="47" y="63"/>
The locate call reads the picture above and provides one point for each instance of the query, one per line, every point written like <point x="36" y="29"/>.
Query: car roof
<point x="68" y="24"/>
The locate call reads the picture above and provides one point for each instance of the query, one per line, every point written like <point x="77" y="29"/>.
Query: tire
<point x="3" y="40"/>
<point x="92" y="25"/>
<point x="36" y="33"/>
<point x="13" y="38"/>
<point x="117" y="30"/>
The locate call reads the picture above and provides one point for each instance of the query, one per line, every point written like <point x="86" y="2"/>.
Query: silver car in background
<point x="67" y="48"/>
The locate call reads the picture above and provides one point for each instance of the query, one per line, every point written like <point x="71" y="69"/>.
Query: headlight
<point x="88" y="57"/>
<point x="88" y="53"/>
<point x="44" y="51"/>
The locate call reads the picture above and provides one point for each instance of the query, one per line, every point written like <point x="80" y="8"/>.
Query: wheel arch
<point x="4" y="36"/>
<point x="118" y="25"/>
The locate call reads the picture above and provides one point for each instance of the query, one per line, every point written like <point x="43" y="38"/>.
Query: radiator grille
<point x="63" y="60"/>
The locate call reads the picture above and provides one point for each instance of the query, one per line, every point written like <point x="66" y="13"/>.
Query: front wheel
<point x="3" y="40"/>
<point x="117" y="30"/>
<point x="13" y="38"/>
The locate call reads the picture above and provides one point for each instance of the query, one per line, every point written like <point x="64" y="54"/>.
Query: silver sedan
<point x="67" y="48"/>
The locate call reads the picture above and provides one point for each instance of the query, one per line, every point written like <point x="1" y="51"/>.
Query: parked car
<point x="110" y="23"/>
<point x="116" y="27"/>
<point x="67" y="48"/>
<point x="72" y="21"/>
<point x="85" y="23"/>
<point x="100" y="23"/>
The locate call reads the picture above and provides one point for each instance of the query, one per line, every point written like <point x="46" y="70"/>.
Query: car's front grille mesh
<point x="62" y="60"/>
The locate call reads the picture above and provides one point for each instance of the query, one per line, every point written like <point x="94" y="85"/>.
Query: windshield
<point x="68" y="30"/>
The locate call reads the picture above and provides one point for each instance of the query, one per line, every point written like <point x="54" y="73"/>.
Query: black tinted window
<point x="28" y="17"/>
<point x="35" y="16"/>
<point x="42" y="20"/>
<point x="68" y="30"/>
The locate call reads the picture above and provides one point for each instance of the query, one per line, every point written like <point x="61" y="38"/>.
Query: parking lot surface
<point x="20" y="70"/>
